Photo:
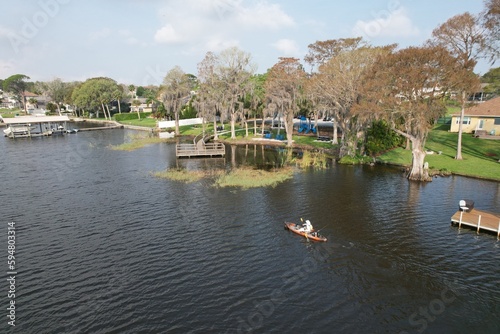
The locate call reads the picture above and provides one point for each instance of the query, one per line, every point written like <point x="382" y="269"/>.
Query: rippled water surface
<point x="104" y="247"/>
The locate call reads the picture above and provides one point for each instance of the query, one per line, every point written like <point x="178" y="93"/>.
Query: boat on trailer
<point x="299" y="229"/>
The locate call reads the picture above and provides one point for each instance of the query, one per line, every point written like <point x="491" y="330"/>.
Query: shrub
<point x="380" y="138"/>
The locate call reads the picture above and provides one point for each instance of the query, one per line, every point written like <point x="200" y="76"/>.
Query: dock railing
<point x="197" y="150"/>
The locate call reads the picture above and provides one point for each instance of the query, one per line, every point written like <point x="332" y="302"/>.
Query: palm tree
<point x="136" y="103"/>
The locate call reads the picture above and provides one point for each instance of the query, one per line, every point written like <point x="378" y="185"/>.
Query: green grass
<point x="480" y="156"/>
<point x="10" y="113"/>
<point x="137" y="142"/>
<point x="453" y="110"/>
<point x="146" y="122"/>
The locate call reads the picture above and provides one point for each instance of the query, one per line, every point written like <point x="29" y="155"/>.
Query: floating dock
<point x="477" y="219"/>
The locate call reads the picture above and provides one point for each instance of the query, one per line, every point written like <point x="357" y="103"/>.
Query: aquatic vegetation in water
<point x="317" y="160"/>
<point x="244" y="178"/>
<point x="137" y="142"/>
<point x="254" y="178"/>
<point x="183" y="175"/>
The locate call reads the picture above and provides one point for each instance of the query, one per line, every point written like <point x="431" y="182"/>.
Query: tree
<point x="234" y="70"/>
<point x="255" y="98"/>
<point x="492" y="78"/>
<point x="176" y="93"/>
<point x="136" y="103"/>
<point x="406" y="89"/>
<point x="140" y="91"/>
<point x="56" y="90"/>
<point x="131" y="89"/>
<point x="33" y="102"/>
<point x="16" y="85"/>
<point x="118" y="94"/>
<point x="463" y="36"/>
<point x="284" y="85"/>
<point x="491" y="21"/>
<point x="339" y="86"/>
<point x="209" y="94"/>
<point x="321" y="52"/>
<point x="95" y="93"/>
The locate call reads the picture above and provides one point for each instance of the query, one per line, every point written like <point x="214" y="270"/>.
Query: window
<point x="466" y="120"/>
<point x="497" y="121"/>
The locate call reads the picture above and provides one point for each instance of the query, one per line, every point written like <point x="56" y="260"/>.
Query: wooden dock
<point x="110" y="127"/>
<point x="480" y="220"/>
<point x="200" y="149"/>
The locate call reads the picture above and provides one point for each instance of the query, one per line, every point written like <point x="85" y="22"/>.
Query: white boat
<point x="18" y="130"/>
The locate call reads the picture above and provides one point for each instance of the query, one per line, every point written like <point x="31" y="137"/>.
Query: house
<point x="482" y="118"/>
<point x="143" y="107"/>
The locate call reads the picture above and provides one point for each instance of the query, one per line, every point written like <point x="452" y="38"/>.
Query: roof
<point x="490" y="108"/>
<point x="29" y="94"/>
<point x="35" y="119"/>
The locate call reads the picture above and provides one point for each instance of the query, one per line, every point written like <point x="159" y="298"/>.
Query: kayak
<point x="295" y="228"/>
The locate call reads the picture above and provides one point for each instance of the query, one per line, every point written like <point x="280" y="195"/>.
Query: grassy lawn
<point x="10" y="113"/>
<point x="480" y="156"/>
<point x="146" y="122"/>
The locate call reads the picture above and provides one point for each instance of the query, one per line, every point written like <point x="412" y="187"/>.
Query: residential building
<point x="482" y="118"/>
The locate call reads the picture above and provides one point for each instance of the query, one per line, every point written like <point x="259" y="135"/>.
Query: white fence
<point x="171" y="124"/>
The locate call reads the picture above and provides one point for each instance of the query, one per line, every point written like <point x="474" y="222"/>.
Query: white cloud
<point x="287" y="46"/>
<point x="217" y="22"/>
<point x="216" y="44"/>
<point x="167" y="34"/>
<point x="264" y="15"/>
<point x="396" y="24"/>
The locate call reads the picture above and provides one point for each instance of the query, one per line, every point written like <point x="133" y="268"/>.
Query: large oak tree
<point x="16" y="84"/>
<point x="176" y="93"/>
<point x="339" y="84"/>
<point x="284" y="86"/>
<point x="407" y="89"/>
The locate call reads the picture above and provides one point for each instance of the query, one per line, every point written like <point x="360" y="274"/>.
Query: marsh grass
<point x="246" y="178"/>
<point x="137" y="141"/>
<point x="318" y="160"/>
<point x="182" y="175"/>
<point x="243" y="178"/>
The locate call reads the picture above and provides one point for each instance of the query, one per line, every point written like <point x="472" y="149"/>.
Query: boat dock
<point x="34" y="126"/>
<point x="102" y="128"/>
<point x="200" y="149"/>
<point x="477" y="219"/>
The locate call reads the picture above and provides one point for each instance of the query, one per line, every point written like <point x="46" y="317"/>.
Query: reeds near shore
<point x="137" y="142"/>
<point x="254" y="178"/>
<point x="243" y="178"/>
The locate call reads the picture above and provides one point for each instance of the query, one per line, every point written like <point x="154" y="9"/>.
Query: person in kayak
<point x="307" y="227"/>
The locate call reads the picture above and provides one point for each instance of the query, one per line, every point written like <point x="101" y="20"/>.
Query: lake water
<point x="104" y="247"/>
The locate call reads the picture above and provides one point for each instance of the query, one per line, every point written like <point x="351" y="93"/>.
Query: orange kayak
<point x="295" y="228"/>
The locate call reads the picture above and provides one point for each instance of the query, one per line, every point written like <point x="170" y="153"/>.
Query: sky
<point x="139" y="41"/>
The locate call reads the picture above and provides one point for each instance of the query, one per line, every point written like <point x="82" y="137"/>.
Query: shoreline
<point x="276" y="143"/>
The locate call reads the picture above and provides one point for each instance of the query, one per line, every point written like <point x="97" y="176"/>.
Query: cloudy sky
<point x="139" y="41"/>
